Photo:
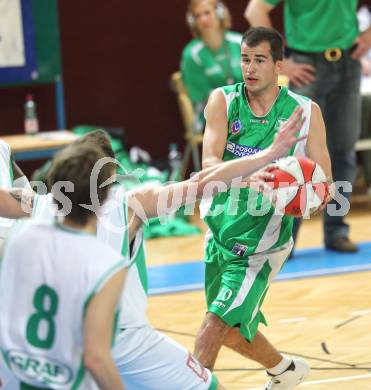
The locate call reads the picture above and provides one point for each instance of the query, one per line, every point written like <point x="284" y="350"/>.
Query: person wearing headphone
<point x="212" y="58"/>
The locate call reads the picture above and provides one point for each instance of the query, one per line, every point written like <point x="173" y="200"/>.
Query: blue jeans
<point x="366" y="133"/>
<point x="337" y="91"/>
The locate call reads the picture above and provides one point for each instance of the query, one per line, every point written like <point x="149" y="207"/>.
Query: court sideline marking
<point x="332" y="380"/>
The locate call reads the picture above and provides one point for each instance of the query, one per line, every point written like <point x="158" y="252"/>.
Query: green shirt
<point x="246" y="218"/>
<point x="204" y="69"/>
<point x="316" y="25"/>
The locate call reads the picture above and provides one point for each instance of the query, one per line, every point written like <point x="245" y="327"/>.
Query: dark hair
<point x="75" y="164"/>
<point x="100" y="138"/>
<point x="255" y="35"/>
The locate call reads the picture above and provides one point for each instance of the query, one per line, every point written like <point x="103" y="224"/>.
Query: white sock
<point x="281" y="366"/>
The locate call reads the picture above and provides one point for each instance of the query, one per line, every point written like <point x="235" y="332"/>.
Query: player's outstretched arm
<point x="16" y="202"/>
<point x="98" y="330"/>
<point x="149" y="203"/>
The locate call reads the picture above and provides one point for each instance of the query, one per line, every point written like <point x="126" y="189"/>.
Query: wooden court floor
<point x="327" y="320"/>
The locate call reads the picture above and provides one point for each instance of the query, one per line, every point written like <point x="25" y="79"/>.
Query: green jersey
<point x="243" y="222"/>
<point x="316" y="25"/>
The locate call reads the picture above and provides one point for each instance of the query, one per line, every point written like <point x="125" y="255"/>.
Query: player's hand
<point x="258" y="180"/>
<point x="298" y="74"/>
<point x="366" y="66"/>
<point x="286" y="137"/>
<point x="329" y="196"/>
<point x="363" y="43"/>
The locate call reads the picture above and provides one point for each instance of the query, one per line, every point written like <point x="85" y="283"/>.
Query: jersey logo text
<point x="38" y="368"/>
<point x="241" y="150"/>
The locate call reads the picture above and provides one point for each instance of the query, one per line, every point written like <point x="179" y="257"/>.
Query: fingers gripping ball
<point x="299" y="186"/>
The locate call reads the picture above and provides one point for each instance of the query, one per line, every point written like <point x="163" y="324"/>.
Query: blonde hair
<point x="225" y="22"/>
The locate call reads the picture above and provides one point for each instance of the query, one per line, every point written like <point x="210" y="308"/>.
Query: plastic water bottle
<point x="31" y="124"/>
<point x="175" y="163"/>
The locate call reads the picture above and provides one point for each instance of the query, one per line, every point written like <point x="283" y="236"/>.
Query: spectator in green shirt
<point x="212" y="58"/>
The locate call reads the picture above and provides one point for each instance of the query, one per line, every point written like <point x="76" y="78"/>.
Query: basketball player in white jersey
<point x="147" y="359"/>
<point x="59" y="300"/>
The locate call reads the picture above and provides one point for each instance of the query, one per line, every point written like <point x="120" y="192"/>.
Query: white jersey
<point x="6" y="180"/>
<point x="6" y="172"/>
<point x="134" y="299"/>
<point x="113" y="229"/>
<point x="146" y="359"/>
<point x="48" y="275"/>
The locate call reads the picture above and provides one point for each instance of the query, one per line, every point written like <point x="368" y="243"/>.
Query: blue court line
<point x="306" y="263"/>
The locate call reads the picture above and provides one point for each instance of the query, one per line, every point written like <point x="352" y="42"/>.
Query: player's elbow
<point x="95" y="359"/>
<point x="211" y="161"/>
<point x="252" y="12"/>
<point x="256" y="13"/>
<point x="207" y="163"/>
<point x="248" y="14"/>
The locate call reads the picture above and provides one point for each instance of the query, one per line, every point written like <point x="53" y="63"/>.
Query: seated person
<point x="212" y="58"/>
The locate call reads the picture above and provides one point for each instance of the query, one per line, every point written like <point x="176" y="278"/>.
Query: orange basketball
<point x="300" y="186"/>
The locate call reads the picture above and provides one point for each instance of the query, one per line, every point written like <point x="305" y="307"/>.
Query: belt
<point x="332" y="54"/>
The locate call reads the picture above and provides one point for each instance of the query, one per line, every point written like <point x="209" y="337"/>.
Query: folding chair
<point x="193" y="139"/>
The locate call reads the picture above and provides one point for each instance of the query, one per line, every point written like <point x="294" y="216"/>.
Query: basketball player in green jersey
<point x="244" y="252"/>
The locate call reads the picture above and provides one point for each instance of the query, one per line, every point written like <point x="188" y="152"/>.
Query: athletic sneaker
<point x="295" y="373"/>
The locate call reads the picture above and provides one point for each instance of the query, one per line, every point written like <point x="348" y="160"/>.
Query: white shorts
<point x="149" y="360"/>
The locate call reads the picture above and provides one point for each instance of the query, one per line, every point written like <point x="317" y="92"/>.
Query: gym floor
<point x="319" y="307"/>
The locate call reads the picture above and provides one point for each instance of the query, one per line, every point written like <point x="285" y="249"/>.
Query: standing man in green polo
<point x="325" y="46"/>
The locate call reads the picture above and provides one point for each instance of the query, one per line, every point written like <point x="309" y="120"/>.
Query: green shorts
<point x="236" y="287"/>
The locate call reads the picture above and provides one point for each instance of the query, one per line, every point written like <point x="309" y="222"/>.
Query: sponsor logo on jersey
<point x="241" y="150"/>
<point x="239" y="249"/>
<point x="219" y="304"/>
<point x="236" y="126"/>
<point x="230" y="147"/>
<point x="38" y="369"/>
<point x="260" y="121"/>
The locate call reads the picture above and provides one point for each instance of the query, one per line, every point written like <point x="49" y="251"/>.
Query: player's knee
<point x="232" y="338"/>
<point x="217" y="323"/>
<point x="230" y="342"/>
<point x="214" y="328"/>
